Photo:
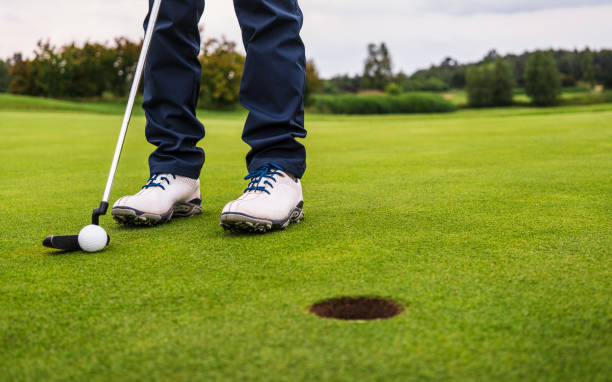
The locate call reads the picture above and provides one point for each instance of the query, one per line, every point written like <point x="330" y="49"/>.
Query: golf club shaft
<point x="130" y="104"/>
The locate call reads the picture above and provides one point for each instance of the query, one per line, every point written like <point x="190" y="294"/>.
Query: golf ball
<point x="92" y="238"/>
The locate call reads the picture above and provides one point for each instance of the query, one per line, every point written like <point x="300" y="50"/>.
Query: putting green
<point x="491" y="228"/>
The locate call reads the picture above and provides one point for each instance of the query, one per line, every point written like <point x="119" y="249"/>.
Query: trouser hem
<point x="295" y="169"/>
<point x="189" y="172"/>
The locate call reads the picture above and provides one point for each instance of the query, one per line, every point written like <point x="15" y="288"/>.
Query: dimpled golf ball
<point x="92" y="238"/>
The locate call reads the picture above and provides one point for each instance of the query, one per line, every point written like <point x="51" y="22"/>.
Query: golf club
<point x="91" y="239"/>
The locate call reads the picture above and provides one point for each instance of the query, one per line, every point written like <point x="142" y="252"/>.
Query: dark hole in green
<point x="356" y="308"/>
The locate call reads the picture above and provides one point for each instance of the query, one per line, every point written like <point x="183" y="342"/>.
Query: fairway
<point x="491" y="228"/>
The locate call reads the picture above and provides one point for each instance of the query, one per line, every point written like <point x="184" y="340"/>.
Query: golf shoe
<point x="163" y="197"/>
<point x="272" y="200"/>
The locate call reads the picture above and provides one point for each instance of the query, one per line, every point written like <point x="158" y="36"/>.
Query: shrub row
<point x="382" y="103"/>
<point x="587" y="98"/>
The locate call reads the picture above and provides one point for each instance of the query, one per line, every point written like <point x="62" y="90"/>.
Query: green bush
<point x="542" y="79"/>
<point x="431" y="84"/>
<point x="393" y="89"/>
<point x="222" y="69"/>
<point x="490" y="84"/>
<point x="314" y="83"/>
<point x="71" y="71"/>
<point x="382" y="104"/>
<point x="586" y="98"/>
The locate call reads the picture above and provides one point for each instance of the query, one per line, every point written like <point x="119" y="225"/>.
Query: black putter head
<point x="66" y="242"/>
<point x="63" y="242"/>
<point x="71" y="242"/>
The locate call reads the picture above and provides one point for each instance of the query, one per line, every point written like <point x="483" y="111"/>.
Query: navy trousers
<point x="272" y="87"/>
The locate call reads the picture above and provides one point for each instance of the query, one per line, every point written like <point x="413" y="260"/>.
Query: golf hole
<point x="357" y="308"/>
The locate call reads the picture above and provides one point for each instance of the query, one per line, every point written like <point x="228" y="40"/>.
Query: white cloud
<point x="471" y="7"/>
<point x="24" y="22"/>
<point x="418" y="39"/>
<point x="418" y="32"/>
<point x="452" y="7"/>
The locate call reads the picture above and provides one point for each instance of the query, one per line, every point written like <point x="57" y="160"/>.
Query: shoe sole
<point x="238" y="222"/>
<point x="132" y="217"/>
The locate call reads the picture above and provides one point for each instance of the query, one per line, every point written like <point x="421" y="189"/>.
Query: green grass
<point x="569" y="97"/>
<point x="491" y="227"/>
<point x="10" y="102"/>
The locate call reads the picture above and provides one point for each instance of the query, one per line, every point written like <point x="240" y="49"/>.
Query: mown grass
<point x="423" y="102"/>
<point x="569" y="97"/>
<point x="491" y="227"/>
<point x="10" y="102"/>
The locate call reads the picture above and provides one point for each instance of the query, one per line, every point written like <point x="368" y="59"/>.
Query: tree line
<point x="105" y="71"/>
<point x="573" y="66"/>
<point x="89" y="70"/>
<point x="492" y="84"/>
<point x="488" y="82"/>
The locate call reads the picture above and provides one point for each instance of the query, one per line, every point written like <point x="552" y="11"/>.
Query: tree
<point x="588" y="70"/>
<point x="342" y="84"/>
<point x="82" y="71"/>
<point x="314" y="83"/>
<point x="86" y="71"/>
<point x="22" y="79"/>
<point x="449" y="62"/>
<point x="542" y="80"/>
<point x="126" y="59"/>
<point x="490" y="84"/>
<point x="222" y="68"/>
<point x="449" y="72"/>
<point x="457" y="79"/>
<point x="5" y="78"/>
<point x="46" y="72"/>
<point x="478" y="85"/>
<point x="504" y="83"/>
<point x="491" y="56"/>
<point x="603" y="67"/>
<point x="377" y="71"/>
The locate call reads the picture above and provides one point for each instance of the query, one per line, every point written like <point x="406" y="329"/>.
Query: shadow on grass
<point x="63" y="252"/>
<point x="273" y="233"/>
<point x="174" y="222"/>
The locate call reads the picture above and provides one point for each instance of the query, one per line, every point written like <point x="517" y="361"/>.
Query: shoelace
<point x="152" y="179"/>
<point x="262" y="174"/>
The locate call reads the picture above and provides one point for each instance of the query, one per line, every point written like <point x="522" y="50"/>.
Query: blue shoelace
<point x="259" y="178"/>
<point x="152" y="179"/>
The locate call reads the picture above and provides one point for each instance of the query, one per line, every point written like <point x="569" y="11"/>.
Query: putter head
<point x="71" y="242"/>
<point x="63" y="242"/>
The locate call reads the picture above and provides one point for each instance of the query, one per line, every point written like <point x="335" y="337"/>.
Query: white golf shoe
<point x="272" y="200"/>
<point x="163" y="197"/>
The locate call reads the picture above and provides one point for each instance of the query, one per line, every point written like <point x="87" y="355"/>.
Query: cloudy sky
<point x="418" y="32"/>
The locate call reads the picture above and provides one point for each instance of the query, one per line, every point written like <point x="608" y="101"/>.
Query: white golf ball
<point x="92" y="238"/>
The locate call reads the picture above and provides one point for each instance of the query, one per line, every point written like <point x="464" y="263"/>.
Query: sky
<point x="418" y="33"/>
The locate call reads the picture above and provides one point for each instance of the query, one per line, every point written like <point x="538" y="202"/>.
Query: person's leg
<point x="273" y="83"/>
<point x="272" y="90"/>
<point x="171" y="86"/>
